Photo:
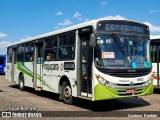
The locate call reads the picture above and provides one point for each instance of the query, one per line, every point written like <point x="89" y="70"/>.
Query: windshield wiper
<point x="136" y="46"/>
<point x="138" y="43"/>
<point x="119" y="44"/>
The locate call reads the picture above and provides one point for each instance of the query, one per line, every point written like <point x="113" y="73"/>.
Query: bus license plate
<point x="131" y="91"/>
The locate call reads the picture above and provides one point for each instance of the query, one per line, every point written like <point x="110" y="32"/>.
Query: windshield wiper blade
<point x="140" y="40"/>
<point x="119" y="44"/>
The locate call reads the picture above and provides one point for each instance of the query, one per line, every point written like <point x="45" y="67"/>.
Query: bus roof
<point x="56" y="32"/>
<point x="74" y="27"/>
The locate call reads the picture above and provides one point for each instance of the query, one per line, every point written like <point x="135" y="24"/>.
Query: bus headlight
<point x="104" y="82"/>
<point x="147" y="82"/>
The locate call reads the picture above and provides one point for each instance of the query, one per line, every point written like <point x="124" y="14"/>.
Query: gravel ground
<point x="11" y="97"/>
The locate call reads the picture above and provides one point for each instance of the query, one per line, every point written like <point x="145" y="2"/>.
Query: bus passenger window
<point x="49" y="56"/>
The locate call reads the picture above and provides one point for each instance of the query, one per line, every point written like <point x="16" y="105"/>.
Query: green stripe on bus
<point x="20" y="66"/>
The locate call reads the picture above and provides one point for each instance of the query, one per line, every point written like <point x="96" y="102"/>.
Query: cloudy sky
<point x="20" y="19"/>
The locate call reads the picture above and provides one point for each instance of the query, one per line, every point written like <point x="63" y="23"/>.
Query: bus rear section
<point x="155" y="57"/>
<point x="2" y="64"/>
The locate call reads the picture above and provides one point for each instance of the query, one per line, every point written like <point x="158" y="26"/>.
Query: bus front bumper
<point x="103" y="92"/>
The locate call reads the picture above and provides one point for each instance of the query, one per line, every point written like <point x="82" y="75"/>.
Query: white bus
<point x="96" y="60"/>
<point x="155" y="56"/>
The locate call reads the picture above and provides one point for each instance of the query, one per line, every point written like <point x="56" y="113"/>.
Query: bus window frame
<point x="19" y="53"/>
<point x="9" y="55"/>
<point x="28" y="52"/>
<point x="51" y="47"/>
<point x="73" y="46"/>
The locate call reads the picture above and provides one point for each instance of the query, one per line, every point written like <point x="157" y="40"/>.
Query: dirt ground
<point x="11" y="98"/>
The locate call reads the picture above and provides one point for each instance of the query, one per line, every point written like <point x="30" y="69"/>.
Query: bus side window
<point x="29" y="49"/>
<point x="67" y="46"/>
<point x="49" y="56"/>
<point x="9" y="55"/>
<point x="50" y="46"/>
<point x="154" y="53"/>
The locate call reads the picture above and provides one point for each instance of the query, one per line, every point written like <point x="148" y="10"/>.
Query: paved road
<point x="11" y="97"/>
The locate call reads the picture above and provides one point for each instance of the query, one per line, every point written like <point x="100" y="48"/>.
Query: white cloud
<point x="103" y="3"/>
<point x="3" y="45"/>
<point x="2" y="35"/>
<point x="85" y="20"/>
<point x="59" y="13"/>
<point x="77" y="15"/>
<point x="154" y="11"/>
<point x="155" y="30"/>
<point x="117" y="17"/>
<point x="152" y="27"/>
<point x="155" y="36"/>
<point x="65" y="23"/>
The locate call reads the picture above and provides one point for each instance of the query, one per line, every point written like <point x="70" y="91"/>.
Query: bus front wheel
<point x="67" y="93"/>
<point x="21" y="82"/>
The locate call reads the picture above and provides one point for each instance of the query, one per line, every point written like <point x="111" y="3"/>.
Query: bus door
<point x="86" y="53"/>
<point x="13" y="68"/>
<point x="10" y="67"/>
<point x="38" y="61"/>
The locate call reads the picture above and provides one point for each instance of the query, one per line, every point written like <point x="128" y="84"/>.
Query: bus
<point x="95" y="60"/>
<point x="2" y="64"/>
<point x="155" y="57"/>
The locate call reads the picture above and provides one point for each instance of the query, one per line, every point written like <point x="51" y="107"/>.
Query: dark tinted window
<point x="67" y="46"/>
<point x="50" y="46"/>
<point x="20" y="54"/>
<point x="9" y="54"/>
<point x="29" y="50"/>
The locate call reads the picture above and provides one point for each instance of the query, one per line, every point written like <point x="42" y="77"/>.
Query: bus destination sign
<point x="129" y="28"/>
<point x="121" y="26"/>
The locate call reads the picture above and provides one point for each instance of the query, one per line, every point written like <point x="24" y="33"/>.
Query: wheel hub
<point x="67" y="92"/>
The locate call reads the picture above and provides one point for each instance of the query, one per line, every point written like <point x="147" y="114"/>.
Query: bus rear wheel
<point x="67" y="93"/>
<point x="21" y="82"/>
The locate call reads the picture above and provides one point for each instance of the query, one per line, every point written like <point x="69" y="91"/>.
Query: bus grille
<point x="130" y="85"/>
<point x="129" y="75"/>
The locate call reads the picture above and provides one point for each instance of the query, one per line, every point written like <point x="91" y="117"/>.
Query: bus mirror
<point x="92" y="41"/>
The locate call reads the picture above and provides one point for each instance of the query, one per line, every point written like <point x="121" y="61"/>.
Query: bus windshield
<point x="122" y="52"/>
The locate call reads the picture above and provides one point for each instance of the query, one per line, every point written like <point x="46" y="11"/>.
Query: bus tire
<point x="67" y="93"/>
<point x="21" y="82"/>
